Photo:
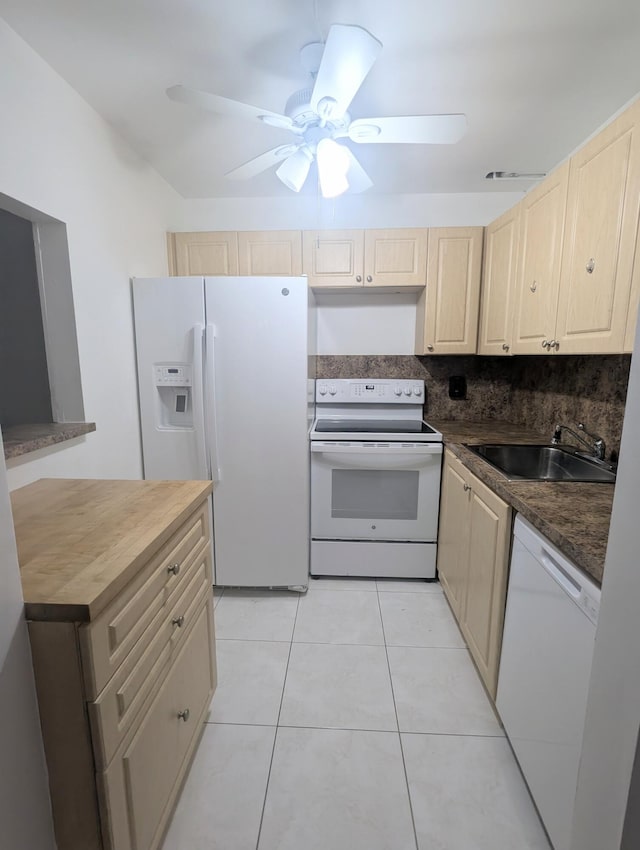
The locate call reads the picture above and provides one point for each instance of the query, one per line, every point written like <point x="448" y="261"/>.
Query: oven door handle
<point x="374" y="460"/>
<point x="391" y="449"/>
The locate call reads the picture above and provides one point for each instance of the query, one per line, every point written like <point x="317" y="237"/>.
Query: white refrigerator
<point x="224" y="390"/>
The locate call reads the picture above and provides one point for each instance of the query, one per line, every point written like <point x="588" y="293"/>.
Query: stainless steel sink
<point x="545" y="463"/>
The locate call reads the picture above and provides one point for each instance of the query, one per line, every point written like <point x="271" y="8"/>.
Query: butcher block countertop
<point x="80" y="541"/>
<point x="575" y="517"/>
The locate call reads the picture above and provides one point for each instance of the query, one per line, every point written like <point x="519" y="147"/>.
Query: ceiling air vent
<point x="515" y="175"/>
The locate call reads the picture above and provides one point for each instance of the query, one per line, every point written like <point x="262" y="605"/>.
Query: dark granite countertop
<point x="21" y="439"/>
<point x="573" y="516"/>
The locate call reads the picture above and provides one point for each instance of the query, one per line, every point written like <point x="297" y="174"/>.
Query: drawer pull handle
<point x="173" y="569"/>
<point x="505" y="346"/>
<point x="184" y="714"/>
<point x="178" y="621"/>
<point x="466" y="487"/>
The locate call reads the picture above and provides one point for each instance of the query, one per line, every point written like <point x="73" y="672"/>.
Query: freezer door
<point x="256" y="356"/>
<point x="169" y="327"/>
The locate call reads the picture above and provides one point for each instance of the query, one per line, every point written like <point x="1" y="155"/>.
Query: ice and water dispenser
<point x="174" y="385"/>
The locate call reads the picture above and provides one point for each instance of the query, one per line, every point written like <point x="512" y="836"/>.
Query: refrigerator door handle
<point x="198" y="391"/>
<point x="210" y="351"/>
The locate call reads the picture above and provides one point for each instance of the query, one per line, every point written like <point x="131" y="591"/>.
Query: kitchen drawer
<point x="106" y="642"/>
<point x="135" y="681"/>
<point x="139" y="788"/>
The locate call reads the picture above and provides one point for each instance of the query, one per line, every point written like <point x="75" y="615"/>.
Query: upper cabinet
<point x="576" y="288"/>
<point x="262" y="252"/>
<point x="333" y="258"/>
<point x="368" y="258"/>
<point x="537" y="281"/>
<point x="498" y="289"/>
<point x="270" y="252"/>
<point x="447" y="315"/>
<point x="600" y="238"/>
<point x="213" y="253"/>
<point x="634" y="302"/>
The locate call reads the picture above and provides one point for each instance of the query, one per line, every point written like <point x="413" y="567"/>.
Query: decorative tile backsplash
<point x="533" y="391"/>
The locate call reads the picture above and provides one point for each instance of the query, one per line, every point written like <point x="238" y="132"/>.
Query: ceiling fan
<point x="318" y="116"/>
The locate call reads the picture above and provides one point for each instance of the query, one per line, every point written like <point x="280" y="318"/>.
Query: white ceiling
<point x="534" y="79"/>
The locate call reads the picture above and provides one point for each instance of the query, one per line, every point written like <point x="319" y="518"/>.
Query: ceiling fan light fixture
<point x="294" y="170"/>
<point x="333" y="165"/>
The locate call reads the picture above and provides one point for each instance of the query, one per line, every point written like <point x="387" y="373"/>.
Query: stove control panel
<point x="363" y="391"/>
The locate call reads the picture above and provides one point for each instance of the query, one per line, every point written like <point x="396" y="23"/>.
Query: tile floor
<point x="350" y="718"/>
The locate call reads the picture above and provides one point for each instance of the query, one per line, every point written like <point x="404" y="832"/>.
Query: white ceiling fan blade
<point x="348" y="56"/>
<point x="359" y="180"/>
<point x="260" y="163"/>
<point x="409" y="129"/>
<point x="226" y="106"/>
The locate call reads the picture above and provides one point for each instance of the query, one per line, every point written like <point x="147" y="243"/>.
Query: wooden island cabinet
<point x="117" y="582"/>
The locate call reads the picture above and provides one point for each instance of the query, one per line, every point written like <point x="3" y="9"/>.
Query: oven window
<point x="374" y="494"/>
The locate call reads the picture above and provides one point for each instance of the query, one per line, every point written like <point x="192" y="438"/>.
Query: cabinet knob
<point x="369" y="278"/>
<point x="591" y="264"/>
<point x="184" y="714"/>
<point x="358" y="278"/>
<point x="505" y="346"/>
<point x="534" y="286"/>
<point x="545" y="343"/>
<point x="429" y="348"/>
<point x="466" y="487"/>
<point x="173" y="569"/>
<point x="553" y="343"/>
<point x="178" y="621"/>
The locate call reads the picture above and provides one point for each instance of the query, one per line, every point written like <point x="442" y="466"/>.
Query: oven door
<point x="368" y="491"/>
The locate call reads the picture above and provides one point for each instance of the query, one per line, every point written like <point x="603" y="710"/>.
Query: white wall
<point x="613" y="709"/>
<point x="59" y="156"/>
<point x="25" y="814"/>
<point x="297" y="212"/>
<point x="366" y="322"/>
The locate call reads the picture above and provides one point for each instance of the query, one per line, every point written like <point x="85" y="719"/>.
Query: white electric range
<point x="375" y="480"/>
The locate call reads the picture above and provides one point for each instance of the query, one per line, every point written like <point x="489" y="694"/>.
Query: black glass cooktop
<point x="373" y="426"/>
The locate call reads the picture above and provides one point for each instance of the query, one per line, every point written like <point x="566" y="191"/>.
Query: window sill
<point x="22" y="439"/>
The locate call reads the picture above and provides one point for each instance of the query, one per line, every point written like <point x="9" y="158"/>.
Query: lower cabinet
<point x="473" y="558"/>
<point x="123" y="696"/>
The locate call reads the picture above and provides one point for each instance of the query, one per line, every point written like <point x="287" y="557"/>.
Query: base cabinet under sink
<point x="473" y="554"/>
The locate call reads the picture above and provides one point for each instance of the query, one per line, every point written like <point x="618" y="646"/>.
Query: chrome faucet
<point x="597" y="448"/>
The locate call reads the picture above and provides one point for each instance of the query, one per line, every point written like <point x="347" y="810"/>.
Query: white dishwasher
<point x="545" y="666"/>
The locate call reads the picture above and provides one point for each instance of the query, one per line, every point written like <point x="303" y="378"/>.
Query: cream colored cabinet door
<point x="270" y="252"/>
<point x="333" y="258"/>
<point x="395" y="257"/>
<point x="489" y="538"/>
<point x="452" y="534"/>
<point x="140" y="785"/>
<point x="634" y="302"/>
<point x="207" y="253"/>
<point x="602" y="223"/>
<point x="542" y="218"/>
<point x="447" y="315"/>
<point x="499" y="284"/>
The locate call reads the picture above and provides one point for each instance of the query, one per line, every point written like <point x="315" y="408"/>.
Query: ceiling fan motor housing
<point x="299" y="110"/>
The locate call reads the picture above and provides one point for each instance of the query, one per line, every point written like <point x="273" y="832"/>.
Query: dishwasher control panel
<point x="589" y="604"/>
